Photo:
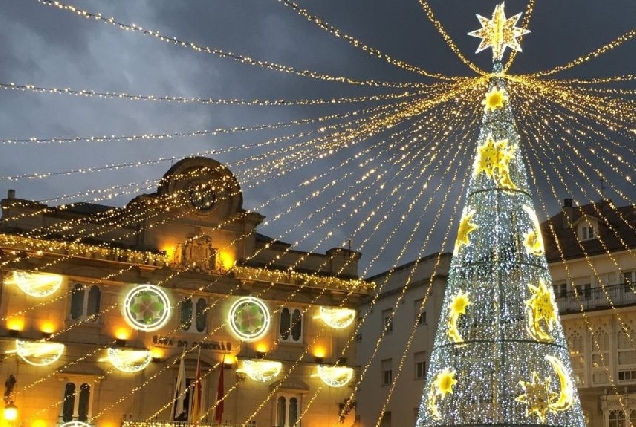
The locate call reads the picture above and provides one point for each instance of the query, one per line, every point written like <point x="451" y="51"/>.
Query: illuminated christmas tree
<point x="500" y="357"/>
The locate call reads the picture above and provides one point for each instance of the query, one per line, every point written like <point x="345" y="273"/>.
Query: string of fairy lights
<point x="425" y="127"/>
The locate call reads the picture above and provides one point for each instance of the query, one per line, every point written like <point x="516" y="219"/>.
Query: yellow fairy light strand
<point x="218" y="52"/>
<point x="449" y="41"/>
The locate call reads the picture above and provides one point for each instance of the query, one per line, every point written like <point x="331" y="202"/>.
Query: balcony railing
<point x="596" y="298"/>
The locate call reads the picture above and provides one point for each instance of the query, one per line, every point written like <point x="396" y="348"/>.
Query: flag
<point x="218" y="415"/>
<point x="195" y="408"/>
<point x="180" y="391"/>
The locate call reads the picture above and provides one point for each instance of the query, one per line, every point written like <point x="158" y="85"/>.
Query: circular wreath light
<point x="335" y="376"/>
<point x="337" y="317"/>
<point x="39" y="285"/>
<point x="249" y="318"/>
<point x="39" y="353"/>
<point x="127" y="360"/>
<point x="147" y="307"/>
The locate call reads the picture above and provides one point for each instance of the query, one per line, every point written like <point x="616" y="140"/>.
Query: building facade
<point x="406" y="308"/>
<point x="591" y="251"/>
<point x="172" y="310"/>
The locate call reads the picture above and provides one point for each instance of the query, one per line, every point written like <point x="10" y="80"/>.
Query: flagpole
<point x="220" y="394"/>
<point x="180" y="390"/>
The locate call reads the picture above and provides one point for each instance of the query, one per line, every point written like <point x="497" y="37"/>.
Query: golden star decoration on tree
<point x="444" y="382"/>
<point x="541" y="312"/>
<point x="465" y="228"/>
<point x="536" y="396"/>
<point x="456" y="308"/>
<point x="493" y="158"/>
<point x="498" y="33"/>
<point x="494" y="99"/>
<point x="441" y="386"/>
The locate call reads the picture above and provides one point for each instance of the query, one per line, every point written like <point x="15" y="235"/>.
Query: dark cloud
<point x="47" y="47"/>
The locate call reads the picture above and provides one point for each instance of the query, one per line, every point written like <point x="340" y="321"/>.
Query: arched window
<point x="92" y="304"/>
<point x="69" y="402"/>
<point x="84" y="399"/>
<point x="77" y="302"/>
<point x="85" y="305"/>
<point x="194" y="317"/>
<point x="287" y="410"/>
<point x="186" y="314"/>
<point x="291" y="325"/>
<point x="201" y="315"/>
<point x="281" y="412"/>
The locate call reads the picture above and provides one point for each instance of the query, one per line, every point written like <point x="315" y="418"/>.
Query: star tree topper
<point x="498" y="33"/>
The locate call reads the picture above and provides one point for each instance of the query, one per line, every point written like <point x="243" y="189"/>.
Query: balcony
<point x="596" y="298"/>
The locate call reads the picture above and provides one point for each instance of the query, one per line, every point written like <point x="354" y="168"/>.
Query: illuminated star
<point x="533" y="243"/>
<point x="444" y="382"/>
<point x="537" y="396"/>
<point x="493" y="159"/>
<point x="498" y="33"/>
<point x="458" y="303"/>
<point x="495" y="98"/>
<point x="465" y="228"/>
<point x="541" y="308"/>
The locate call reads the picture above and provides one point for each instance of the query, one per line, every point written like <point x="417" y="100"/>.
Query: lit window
<point x="291" y="325"/>
<point x="287" y="410"/>
<point x="387" y="371"/>
<point x="85" y="302"/>
<point x="194" y="316"/>
<point x="387" y="320"/>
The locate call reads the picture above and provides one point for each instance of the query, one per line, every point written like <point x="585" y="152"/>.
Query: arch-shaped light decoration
<point x="337" y="317"/>
<point x="261" y="370"/>
<point x="38" y="353"/>
<point x="249" y="318"/>
<point x="146" y="307"/>
<point x="39" y="285"/>
<point x="335" y="376"/>
<point x="129" y="360"/>
<point x="75" y="424"/>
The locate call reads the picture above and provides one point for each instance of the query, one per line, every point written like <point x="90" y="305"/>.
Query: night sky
<point x="47" y="47"/>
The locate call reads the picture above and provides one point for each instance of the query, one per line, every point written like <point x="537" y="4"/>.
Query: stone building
<point x="591" y="250"/>
<point x="101" y="305"/>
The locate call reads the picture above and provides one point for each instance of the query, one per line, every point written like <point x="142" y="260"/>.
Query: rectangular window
<point x="387" y="320"/>
<point x="387" y="371"/>
<point x="587" y="232"/>
<point x="626" y="352"/>
<point x="629" y="282"/>
<point x="560" y="290"/>
<point x="419" y="359"/>
<point x="627" y="376"/>
<point x="584" y="291"/>
<point x="386" y="419"/>
<point x="358" y="337"/>
<point x="291" y="325"/>
<point x="420" y="317"/>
